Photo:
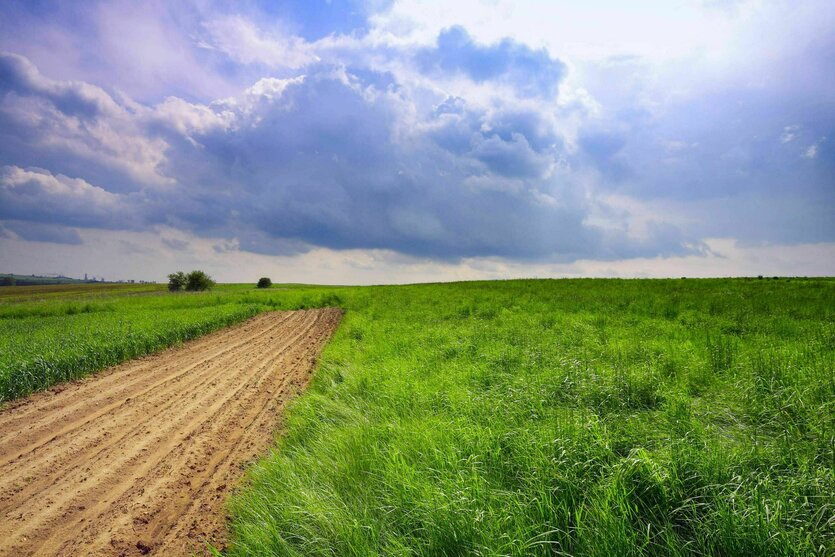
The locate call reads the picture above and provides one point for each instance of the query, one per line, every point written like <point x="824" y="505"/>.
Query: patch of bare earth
<point x="139" y="459"/>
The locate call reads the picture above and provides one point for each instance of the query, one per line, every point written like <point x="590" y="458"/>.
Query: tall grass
<point x="560" y="418"/>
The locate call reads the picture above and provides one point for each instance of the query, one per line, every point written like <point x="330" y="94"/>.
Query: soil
<point x="140" y="459"/>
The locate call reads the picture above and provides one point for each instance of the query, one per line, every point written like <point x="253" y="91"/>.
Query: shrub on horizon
<point x="198" y="280"/>
<point x="264" y="282"/>
<point x="194" y="281"/>
<point x="176" y="281"/>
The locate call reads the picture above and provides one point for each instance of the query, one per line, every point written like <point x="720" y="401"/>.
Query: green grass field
<point x="570" y="417"/>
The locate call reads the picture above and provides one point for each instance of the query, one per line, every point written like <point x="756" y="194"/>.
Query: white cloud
<point x="790" y="133"/>
<point x="811" y="151"/>
<point x="188" y="118"/>
<point x="594" y="29"/>
<point x="75" y="120"/>
<point x="36" y="195"/>
<point x="244" y="42"/>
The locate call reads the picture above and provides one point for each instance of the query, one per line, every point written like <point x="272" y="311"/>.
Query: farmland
<point x="140" y="459"/>
<point x="581" y="417"/>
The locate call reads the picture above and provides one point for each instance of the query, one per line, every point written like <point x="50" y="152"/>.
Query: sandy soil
<point x="140" y="459"/>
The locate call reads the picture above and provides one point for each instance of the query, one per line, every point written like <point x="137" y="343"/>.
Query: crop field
<point x="44" y="343"/>
<point x="552" y="417"/>
<point x="75" y="291"/>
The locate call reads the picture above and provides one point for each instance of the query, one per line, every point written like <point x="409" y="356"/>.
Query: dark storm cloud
<point x="322" y="166"/>
<point x="327" y="161"/>
<point x="506" y="142"/>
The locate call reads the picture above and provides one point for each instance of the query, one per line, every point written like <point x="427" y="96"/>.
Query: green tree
<point x="264" y="282"/>
<point x="198" y="280"/>
<point x="176" y="281"/>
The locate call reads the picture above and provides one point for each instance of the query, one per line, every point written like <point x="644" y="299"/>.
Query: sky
<point x="388" y="141"/>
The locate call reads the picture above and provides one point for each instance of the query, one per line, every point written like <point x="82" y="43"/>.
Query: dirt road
<point x="139" y="460"/>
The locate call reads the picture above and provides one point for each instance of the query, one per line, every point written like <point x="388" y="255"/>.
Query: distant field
<point x="578" y="417"/>
<point x="53" y="291"/>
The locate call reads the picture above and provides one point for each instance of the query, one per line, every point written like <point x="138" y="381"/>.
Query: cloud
<point x="529" y="72"/>
<point x="465" y="144"/>
<point x="812" y="150"/>
<point x="245" y="43"/>
<point x="329" y="159"/>
<point x="789" y="133"/>
<point x="604" y="149"/>
<point x="43" y="232"/>
<point x="75" y="128"/>
<point x="512" y="158"/>
<point x="18" y="75"/>
<point x="175" y="244"/>
<point x="147" y="50"/>
<point x="36" y="195"/>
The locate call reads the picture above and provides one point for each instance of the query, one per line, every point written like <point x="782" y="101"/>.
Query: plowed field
<point x="139" y="459"/>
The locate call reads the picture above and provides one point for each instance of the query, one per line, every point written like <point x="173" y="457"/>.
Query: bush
<point x="264" y="282"/>
<point x="198" y="280"/>
<point x="176" y="281"/>
<point x="194" y="281"/>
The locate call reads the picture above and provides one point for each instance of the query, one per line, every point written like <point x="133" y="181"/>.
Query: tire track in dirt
<point x="139" y="460"/>
<point x="172" y="419"/>
<point x="129" y="411"/>
<point x="111" y="384"/>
